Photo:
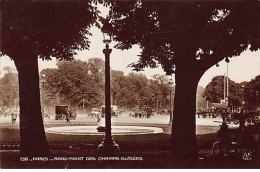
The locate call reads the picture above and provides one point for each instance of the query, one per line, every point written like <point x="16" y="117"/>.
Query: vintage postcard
<point x="135" y="84"/>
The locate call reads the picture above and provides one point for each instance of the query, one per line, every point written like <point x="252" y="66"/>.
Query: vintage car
<point x="60" y="112"/>
<point x="114" y="112"/>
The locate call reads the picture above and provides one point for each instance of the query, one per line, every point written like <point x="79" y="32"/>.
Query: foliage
<point x="252" y="92"/>
<point x="161" y="90"/>
<point x="9" y="88"/>
<point x="47" y="28"/>
<point x="201" y="103"/>
<point x="214" y="91"/>
<point x="118" y="84"/>
<point x="217" y="29"/>
<point x="74" y="81"/>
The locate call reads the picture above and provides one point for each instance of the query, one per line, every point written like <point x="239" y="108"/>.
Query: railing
<point x="83" y="145"/>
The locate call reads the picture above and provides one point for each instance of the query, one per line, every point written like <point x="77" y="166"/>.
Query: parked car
<point x="60" y="112"/>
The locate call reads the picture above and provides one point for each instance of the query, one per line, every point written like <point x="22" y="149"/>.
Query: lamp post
<point x="108" y="144"/>
<point x="242" y="97"/>
<point x="171" y="87"/>
<point x="43" y="80"/>
<point x="256" y="100"/>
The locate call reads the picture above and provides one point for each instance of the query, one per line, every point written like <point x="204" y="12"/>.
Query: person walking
<point x="99" y="118"/>
<point x="68" y="113"/>
<point x="13" y="117"/>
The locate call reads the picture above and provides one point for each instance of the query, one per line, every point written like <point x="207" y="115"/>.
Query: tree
<point x="50" y="88"/>
<point x="45" y="29"/>
<point x="133" y="89"/>
<point x="74" y="81"/>
<point x="117" y="84"/>
<point x="186" y="38"/>
<point x="136" y="83"/>
<point x="201" y="101"/>
<point x="9" y="88"/>
<point x="160" y="84"/>
<point x="252" y="92"/>
<point x="214" y="91"/>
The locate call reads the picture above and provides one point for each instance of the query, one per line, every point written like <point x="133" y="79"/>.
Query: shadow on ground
<point x="148" y="151"/>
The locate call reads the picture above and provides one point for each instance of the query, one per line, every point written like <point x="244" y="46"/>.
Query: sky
<point x="241" y="68"/>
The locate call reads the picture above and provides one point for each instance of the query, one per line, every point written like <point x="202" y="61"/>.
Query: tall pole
<point x="171" y="113"/>
<point x="227" y="88"/>
<point x="107" y="52"/>
<point x="242" y="97"/>
<point x="157" y="106"/>
<point x="108" y="144"/>
<point x="256" y="100"/>
<point x="224" y="88"/>
<point x="170" y="105"/>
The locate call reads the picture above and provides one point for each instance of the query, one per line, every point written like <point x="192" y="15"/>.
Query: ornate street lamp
<point x="171" y="87"/>
<point x="108" y="144"/>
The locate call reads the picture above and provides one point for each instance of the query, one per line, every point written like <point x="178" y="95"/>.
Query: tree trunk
<point x="183" y="141"/>
<point x="33" y="139"/>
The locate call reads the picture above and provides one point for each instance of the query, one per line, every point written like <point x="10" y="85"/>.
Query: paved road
<point x="84" y="119"/>
<point x="204" y="125"/>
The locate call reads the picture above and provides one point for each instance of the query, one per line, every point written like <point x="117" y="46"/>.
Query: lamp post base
<point x="108" y="145"/>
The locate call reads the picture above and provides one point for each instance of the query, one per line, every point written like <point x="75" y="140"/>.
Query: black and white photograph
<point x="129" y="84"/>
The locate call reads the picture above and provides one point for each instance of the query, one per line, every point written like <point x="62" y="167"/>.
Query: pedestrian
<point x="13" y="116"/>
<point x="224" y="140"/>
<point x="68" y="113"/>
<point x="99" y="118"/>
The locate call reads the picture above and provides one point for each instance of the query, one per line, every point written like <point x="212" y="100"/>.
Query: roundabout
<point x="92" y="130"/>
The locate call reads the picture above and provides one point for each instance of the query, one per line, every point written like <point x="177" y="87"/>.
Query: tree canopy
<point x="252" y="92"/>
<point x="214" y="91"/>
<point x="186" y="38"/>
<point x="209" y="30"/>
<point x="76" y="80"/>
<point x="248" y="91"/>
<point x="9" y="89"/>
<point x="46" y="28"/>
